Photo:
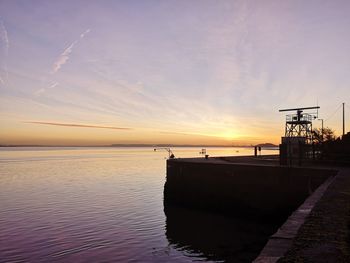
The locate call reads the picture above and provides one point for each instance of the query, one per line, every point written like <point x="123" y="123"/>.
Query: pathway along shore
<point x="325" y="235"/>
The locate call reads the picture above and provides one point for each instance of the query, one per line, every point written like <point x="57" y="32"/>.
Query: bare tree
<point x="322" y="136"/>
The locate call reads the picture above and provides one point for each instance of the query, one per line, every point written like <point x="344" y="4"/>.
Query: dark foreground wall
<point x="271" y="192"/>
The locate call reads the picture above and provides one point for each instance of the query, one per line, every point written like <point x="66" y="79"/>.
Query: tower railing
<point x="304" y="117"/>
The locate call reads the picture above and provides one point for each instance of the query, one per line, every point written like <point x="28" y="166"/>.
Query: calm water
<point x="106" y="204"/>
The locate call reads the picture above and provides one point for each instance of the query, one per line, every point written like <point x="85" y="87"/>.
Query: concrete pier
<point x="241" y="186"/>
<point x="297" y="200"/>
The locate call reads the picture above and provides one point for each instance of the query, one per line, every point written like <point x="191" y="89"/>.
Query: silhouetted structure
<point x="337" y="151"/>
<point x="298" y="137"/>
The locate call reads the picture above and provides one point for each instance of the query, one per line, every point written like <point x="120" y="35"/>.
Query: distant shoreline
<point x="146" y="145"/>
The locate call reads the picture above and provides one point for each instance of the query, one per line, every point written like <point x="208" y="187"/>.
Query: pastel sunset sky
<point x="178" y="72"/>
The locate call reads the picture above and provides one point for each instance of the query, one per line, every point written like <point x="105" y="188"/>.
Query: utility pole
<point x="343" y="118"/>
<point x="321" y="129"/>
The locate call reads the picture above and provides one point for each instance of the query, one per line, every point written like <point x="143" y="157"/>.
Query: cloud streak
<point x="42" y="90"/>
<point x="83" y="34"/>
<point x="53" y="85"/>
<point x="64" y="57"/>
<point x="6" y="45"/>
<point x="4" y="36"/>
<point x="77" y="125"/>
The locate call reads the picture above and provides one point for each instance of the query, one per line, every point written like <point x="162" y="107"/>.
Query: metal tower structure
<point x="299" y="124"/>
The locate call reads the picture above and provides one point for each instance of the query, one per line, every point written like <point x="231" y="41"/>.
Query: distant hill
<point x="266" y="145"/>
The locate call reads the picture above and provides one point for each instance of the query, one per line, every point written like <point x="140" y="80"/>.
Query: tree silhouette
<point x="326" y="135"/>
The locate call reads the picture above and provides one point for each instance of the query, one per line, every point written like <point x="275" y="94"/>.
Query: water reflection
<point x="88" y="205"/>
<point x="215" y="237"/>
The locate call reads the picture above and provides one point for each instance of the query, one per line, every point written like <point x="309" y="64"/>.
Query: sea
<point x="105" y="204"/>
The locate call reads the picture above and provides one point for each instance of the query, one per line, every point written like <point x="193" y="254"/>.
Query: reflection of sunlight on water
<point x="87" y="203"/>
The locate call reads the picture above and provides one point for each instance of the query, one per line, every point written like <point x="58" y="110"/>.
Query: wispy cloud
<point x="53" y="85"/>
<point x="86" y="32"/>
<point x="43" y="90"/>
<point x="77" y="125"/>
<point x="5" y="43"/>
<point x="64" y="57"/>
<point x="4" y="36"/>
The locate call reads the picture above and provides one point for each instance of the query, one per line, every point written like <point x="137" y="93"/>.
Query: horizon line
<point x="139" y="145"/>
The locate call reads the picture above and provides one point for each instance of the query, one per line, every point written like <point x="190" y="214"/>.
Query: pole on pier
<point x="321" y="129"/>
<point x="343" y="118"/>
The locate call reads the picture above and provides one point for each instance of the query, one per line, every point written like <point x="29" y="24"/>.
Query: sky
<point x="173" y="72"/>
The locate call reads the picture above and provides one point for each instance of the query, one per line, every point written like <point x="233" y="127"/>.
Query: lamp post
<point x="343" y="118"/>
<point x="321" y="129"/>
